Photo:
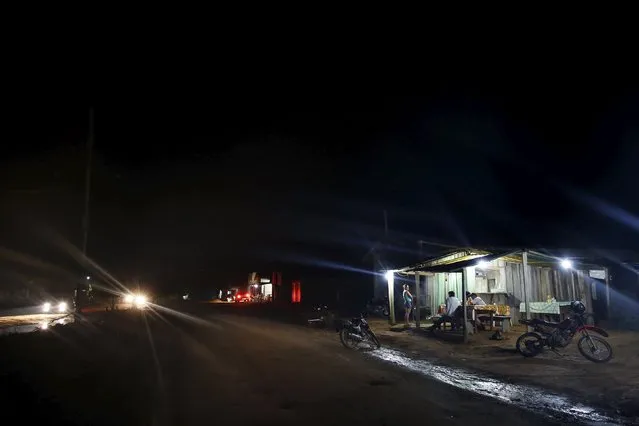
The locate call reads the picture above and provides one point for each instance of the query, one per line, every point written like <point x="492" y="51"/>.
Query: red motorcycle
<point x="558" y="335"/>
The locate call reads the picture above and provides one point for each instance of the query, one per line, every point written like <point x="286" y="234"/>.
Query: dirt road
<point x="215" y="368"/>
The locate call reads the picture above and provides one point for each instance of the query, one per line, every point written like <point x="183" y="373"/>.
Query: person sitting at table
<point x="452" y="303"/>
<point x="476" y="300"/>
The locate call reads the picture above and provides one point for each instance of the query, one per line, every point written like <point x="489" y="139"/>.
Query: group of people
<point x="454" y="310"/>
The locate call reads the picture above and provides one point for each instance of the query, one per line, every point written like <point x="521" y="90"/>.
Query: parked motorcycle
<point x="356" y="331"/>
<point x="321" y="317"/>
<point x="558" y="335"/>
<point x="378" y="308"/>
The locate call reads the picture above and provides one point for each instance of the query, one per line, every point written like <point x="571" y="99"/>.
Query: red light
<point x="238" y="296"/>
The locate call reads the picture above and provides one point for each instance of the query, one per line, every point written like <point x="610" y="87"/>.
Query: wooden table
<point x="477" y="311"/>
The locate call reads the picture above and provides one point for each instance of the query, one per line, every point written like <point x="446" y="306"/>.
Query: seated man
<point x="476" y="300"/>
<point x="469" y="300"/>
<point x="452" y="303"/>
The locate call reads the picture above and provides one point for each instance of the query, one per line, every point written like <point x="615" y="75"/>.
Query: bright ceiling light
<point x="389" y="275"/>
<point x="566" y="264"/>
<point x="62" y="307"/>
<point x="483" y="264"/>
<point x="46" y="307"/>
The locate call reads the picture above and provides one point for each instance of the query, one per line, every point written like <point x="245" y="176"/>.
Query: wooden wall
<point x="544" y="282"/>
<point x="439" y="285"/>
<point x="541" y="283"/>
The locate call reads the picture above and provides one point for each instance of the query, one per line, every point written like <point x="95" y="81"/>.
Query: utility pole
<point x="85" y="219"/>
<point x="87" y="185"/>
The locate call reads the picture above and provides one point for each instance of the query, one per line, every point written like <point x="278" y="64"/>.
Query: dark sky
<point x="191" y="192"/>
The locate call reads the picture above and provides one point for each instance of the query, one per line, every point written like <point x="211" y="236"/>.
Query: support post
<point x="524" y="257"/>
<point x="417" y="297"/>
<point x="607" y="278"/>
<point x="390" y="278"/>
<point x="463" y="296"/>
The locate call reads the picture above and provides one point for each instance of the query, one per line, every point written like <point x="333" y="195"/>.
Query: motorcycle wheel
<point x="374" y="339"/>
<point x="529" y="344"/>
<point x="598" y="346"/>
<point x="344" y="337"/>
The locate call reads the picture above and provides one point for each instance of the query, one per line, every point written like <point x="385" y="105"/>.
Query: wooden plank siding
<point x="544" y="282"/>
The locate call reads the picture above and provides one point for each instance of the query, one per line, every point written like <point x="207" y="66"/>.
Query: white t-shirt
<point x="478" y="301"/>
<point x="452" y="303"/>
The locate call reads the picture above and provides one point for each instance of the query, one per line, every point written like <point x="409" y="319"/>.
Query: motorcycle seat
<point x="563" y="325"/>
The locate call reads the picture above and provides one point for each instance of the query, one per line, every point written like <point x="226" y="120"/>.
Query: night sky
<point x="194" y="193"/>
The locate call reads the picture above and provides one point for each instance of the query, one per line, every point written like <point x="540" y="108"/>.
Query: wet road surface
<point x="269" y="373"/>
<point x="226" y="369"/>
<point x="532" y="398"/>
<point x="27" y="323"/>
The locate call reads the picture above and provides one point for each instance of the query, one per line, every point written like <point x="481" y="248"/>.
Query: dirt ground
<point x="612" y="385"/>
<point x="212" y="368"/>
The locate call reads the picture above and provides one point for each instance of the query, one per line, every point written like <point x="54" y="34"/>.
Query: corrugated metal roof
<point x="457" y="265"/>
<point x="470" y="257"/>
<point x="451" y="256"/>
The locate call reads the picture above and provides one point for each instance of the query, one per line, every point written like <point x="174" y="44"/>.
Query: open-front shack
<point x="522" y="280"/>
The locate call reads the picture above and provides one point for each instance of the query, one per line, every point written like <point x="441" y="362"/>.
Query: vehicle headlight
<point x="62" y="307"/>
<point x="128" y="298"/>
<point x="140" y="300"/>
<point x="46" y="307"/>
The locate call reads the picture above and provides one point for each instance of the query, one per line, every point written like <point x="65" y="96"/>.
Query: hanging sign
<point x="599" y="274"/>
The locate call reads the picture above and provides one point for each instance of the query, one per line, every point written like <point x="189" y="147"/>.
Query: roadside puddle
<point x="528" y="397"/>
<point x="29" y="328"/>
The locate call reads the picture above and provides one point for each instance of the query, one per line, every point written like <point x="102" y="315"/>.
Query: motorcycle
<point x="356" y="331"/>
<point x="558" y="335"/>
<point x="321" y="317"/>
<point x="378" y="308"/>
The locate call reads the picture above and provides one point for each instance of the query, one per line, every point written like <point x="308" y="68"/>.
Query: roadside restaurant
<point x="514" y="284"/>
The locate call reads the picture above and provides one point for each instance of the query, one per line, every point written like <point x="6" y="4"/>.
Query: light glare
<point x="140" y="300"/>
<point x="566" y="264"/>
<point x="482" y="264"/>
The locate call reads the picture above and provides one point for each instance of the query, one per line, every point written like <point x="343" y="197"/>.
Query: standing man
<point x="77" y="298"/>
